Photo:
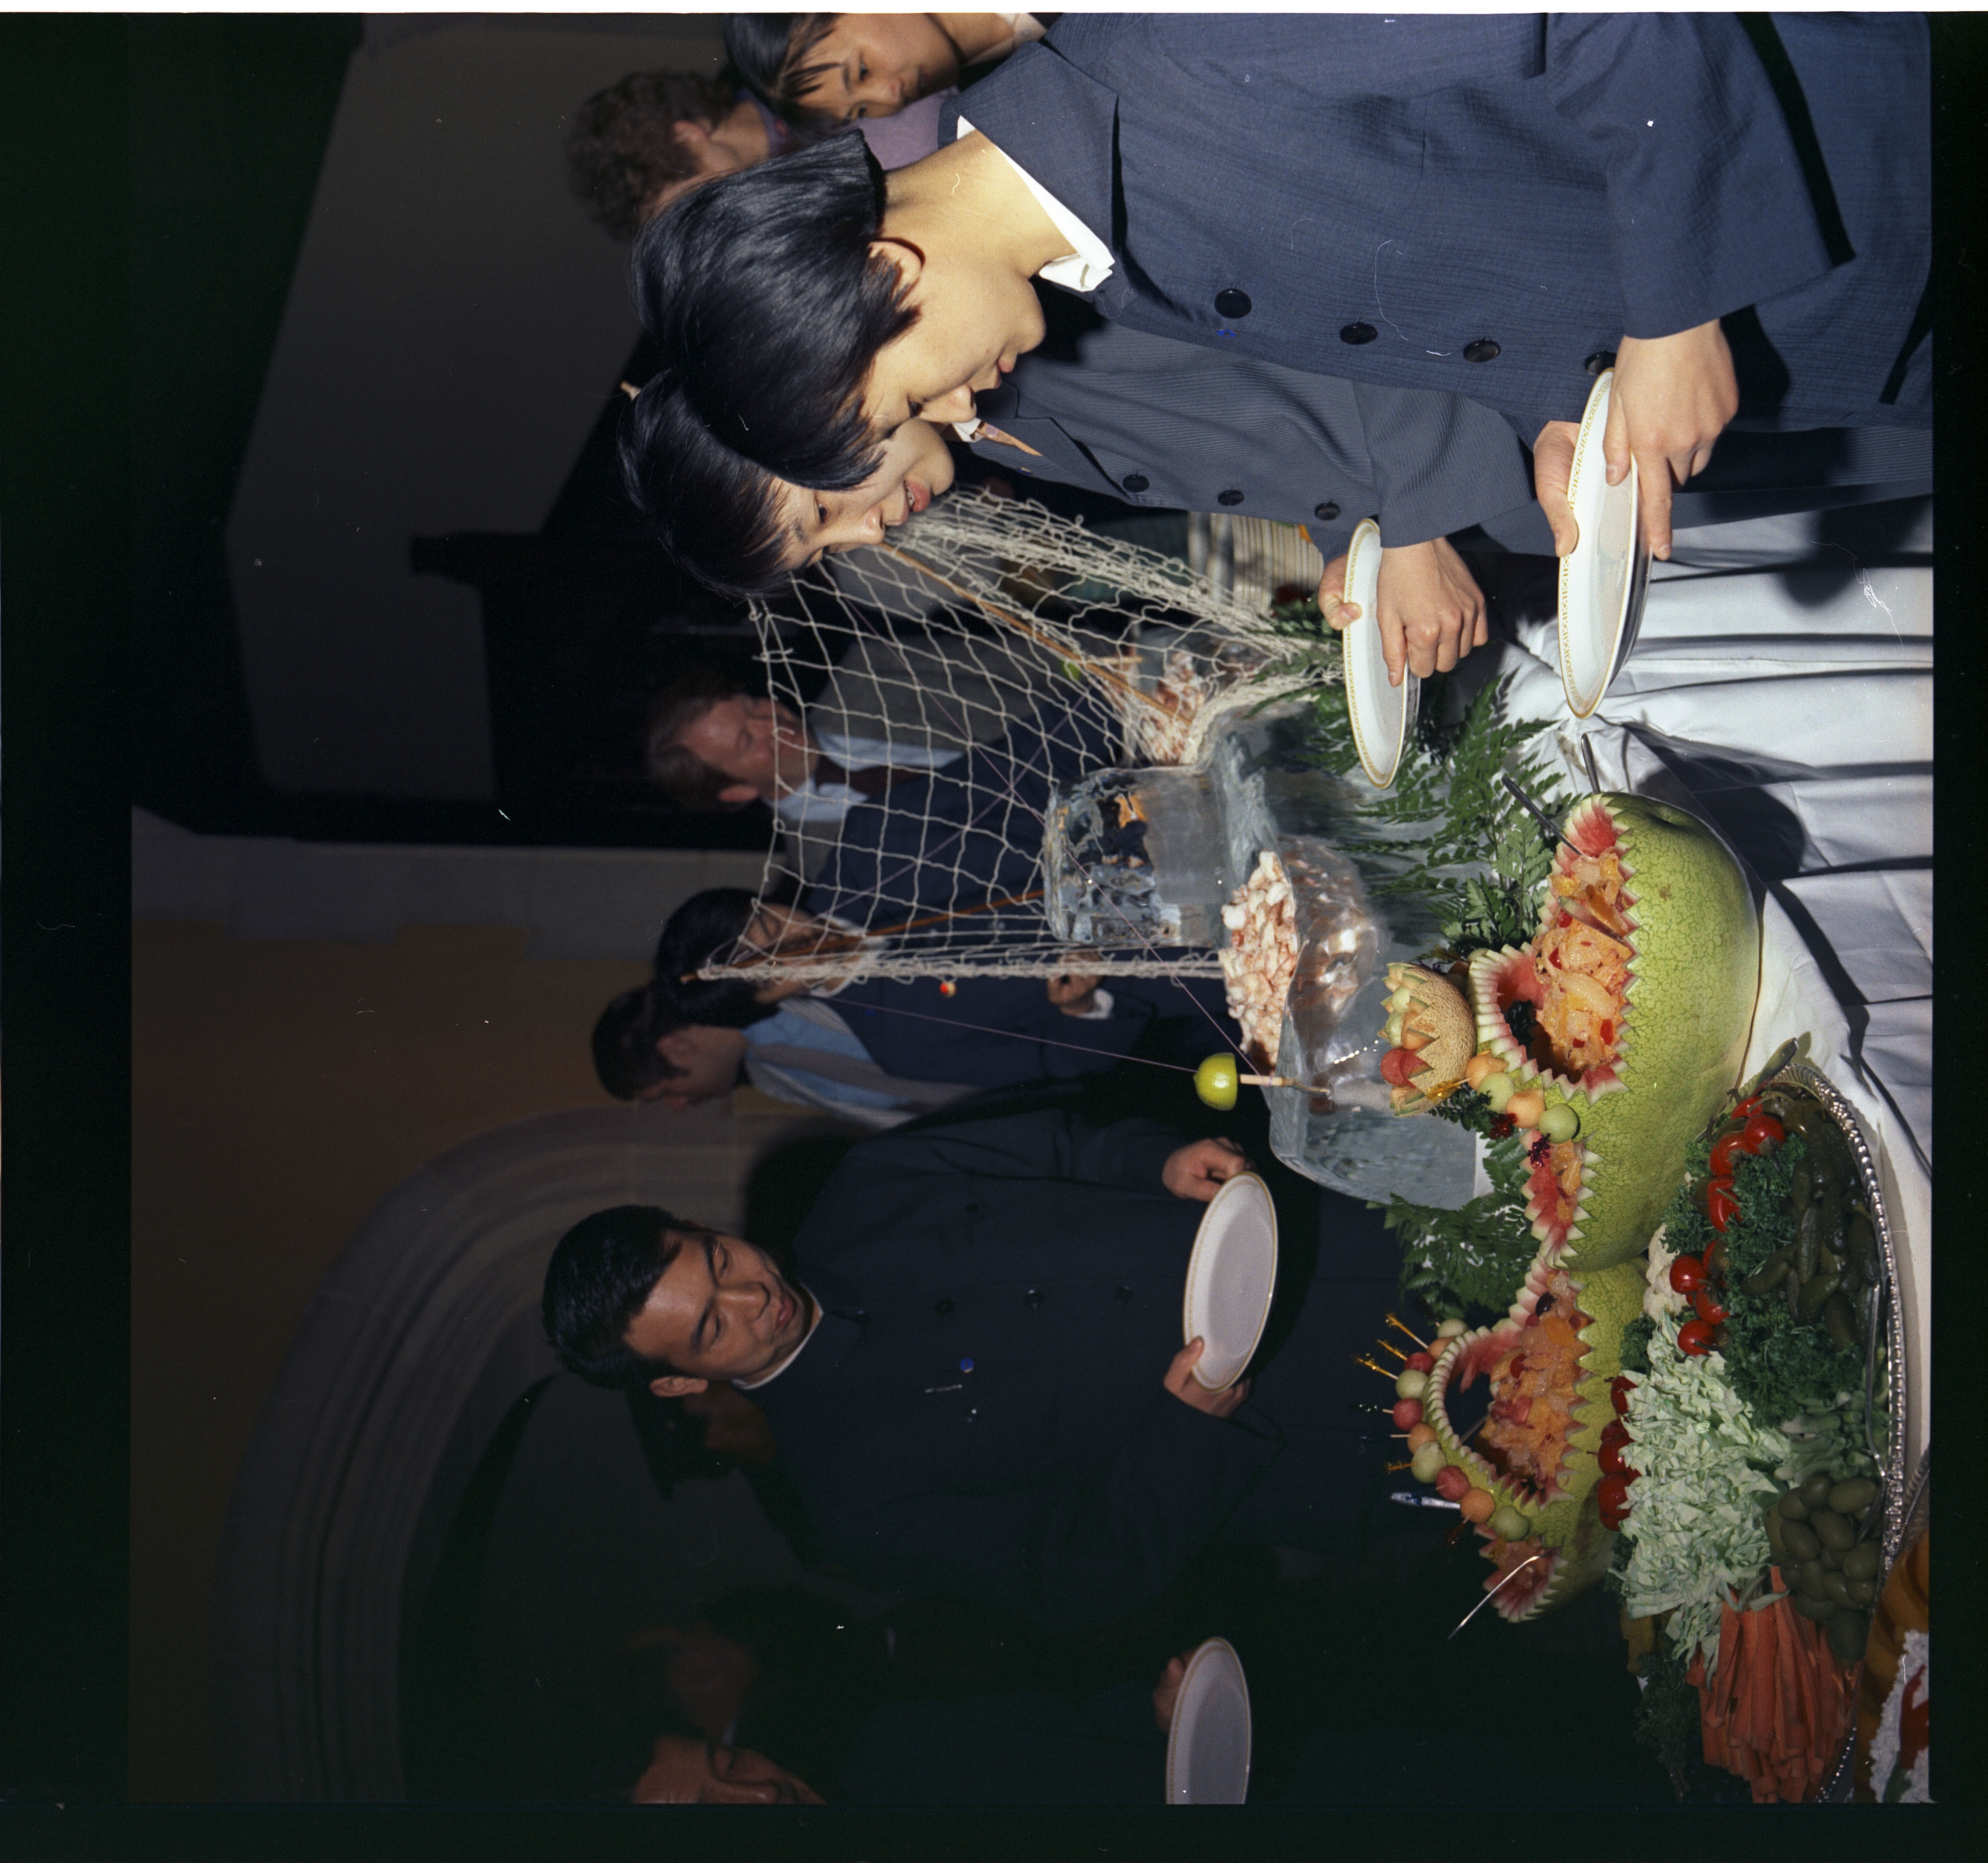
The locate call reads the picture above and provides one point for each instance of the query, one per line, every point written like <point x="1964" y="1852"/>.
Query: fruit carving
<point x="1623" y="1024"/>
<point x="1432" y="1034"/>
<point x="1537" y="1457"/>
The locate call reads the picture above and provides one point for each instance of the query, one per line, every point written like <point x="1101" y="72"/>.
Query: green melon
<point x="1573" y="1548"/>
<point x="1688" y="918"/>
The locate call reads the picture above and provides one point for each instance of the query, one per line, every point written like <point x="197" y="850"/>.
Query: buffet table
<point x="1783" y="686"/>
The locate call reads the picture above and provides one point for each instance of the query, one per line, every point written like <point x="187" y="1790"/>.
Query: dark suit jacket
<point x="1484" y="205"/>
<point x="968" y="833"/>
<point x="1177" y="426"/>
<point x="980" y="1410"/>
<point x="913" y="1031"/>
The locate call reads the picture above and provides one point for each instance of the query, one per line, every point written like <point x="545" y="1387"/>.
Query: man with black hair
<point x="972" y="1366"/>
<point x="1624" y="188"/>
<point x="633" y="148"/>
<point x="877" y="1050"/>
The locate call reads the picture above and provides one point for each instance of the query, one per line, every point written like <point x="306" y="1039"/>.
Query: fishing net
<point x="984" y="674"/>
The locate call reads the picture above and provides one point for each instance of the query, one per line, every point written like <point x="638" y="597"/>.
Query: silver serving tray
<point x="1903" y="1510"/>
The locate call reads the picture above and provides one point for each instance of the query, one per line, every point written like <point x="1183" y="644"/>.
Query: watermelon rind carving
<point x="1687" y="1009"/>
<point x="1566" y="1527"/>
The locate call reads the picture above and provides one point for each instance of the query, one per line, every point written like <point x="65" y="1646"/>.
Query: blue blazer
<point x="1484" y="205"/>
<point x="1153" y="421"/>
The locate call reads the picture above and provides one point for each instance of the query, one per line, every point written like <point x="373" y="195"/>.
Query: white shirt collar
<point x="1089" y="262"/>
<point x="740" y="1385"/>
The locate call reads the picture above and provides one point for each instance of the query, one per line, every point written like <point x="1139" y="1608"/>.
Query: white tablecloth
<point x="1783" y="684"/>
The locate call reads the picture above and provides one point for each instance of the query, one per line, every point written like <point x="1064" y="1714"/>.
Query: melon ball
<point x="1428" y="1462"/>
<point x="1526" y="1109"/>
<point x="1452" y="1483"/>
<point x="1476" y="1506"/>
<point x="1480" y="1068"/>
<point x="1411" y="1383"/>
<point x="1408" y="1413"/>
<point x="1422" y="1433"/>
<point x="1508" y="1523"/>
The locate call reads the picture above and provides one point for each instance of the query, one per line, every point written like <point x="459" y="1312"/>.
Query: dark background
<point x="158" y="174"/>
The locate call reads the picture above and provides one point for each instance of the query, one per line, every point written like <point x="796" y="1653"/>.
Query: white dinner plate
<point x="1383" y="714"/>
<point x="1231" y="1277"/>
<point x="1604" y="578"/>
<point x="1208" y="1746"/>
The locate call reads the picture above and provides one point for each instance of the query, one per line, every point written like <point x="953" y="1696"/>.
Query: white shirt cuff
<point x="1101" y="1008"/>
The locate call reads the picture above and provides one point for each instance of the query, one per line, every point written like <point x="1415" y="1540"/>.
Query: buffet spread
<point x="1666" y="1353"/>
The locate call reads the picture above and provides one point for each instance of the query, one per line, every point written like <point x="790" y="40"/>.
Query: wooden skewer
<point x="1266" y="1080"/>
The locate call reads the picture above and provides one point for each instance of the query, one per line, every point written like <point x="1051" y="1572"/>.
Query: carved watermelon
<point x="1641" y="980"/>
<point x="1550" y="1360"/>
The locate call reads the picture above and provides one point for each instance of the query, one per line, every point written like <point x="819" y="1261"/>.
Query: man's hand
<point x="1553" y="472"/>
<point x="1166" y="1691"/>
<point x="1197" y="1170"/>
<point x="1672" y="397"/>
<point x="1432" y="611"/>
<point x="1181" y="1381"/>
<point x="1073" y="993"/>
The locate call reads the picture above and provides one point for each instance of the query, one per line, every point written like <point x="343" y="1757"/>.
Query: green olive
<point x="1799" y="1537"/>
<point x="1833" y="1529"/>
<point x="1815" y="1490"/>
<point x="1862" y="1560"/>
<point x="1862" y="1592"/>
<point x="1771" y="1520"/>
<point x="1817" y="1610"/>
<point x="1832" y="1558"/>
<point x="1811" y="1584"/>
<point x="1836" y="1586"/>
<point x="1792" y="1506"/>
<point x="1847" y="1633"/>
<point x="1853" y="1495"/>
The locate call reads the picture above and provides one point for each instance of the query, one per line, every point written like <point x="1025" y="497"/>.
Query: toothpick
<point x="1396" y="1350"/>
<point x="1395" y="1323"/>
<point x="1495" y="1589"/>
<point x="1360" y="1358"/>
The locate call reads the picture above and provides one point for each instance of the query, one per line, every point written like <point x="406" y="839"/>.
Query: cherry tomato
<point x="1708" y="1309"/>
<point x="1744" y="1111"/>
<point x="1612" y="1463"/>
<point x="1723" y="1154"/>
<point x="1618" y="1394"/>
<point x="1695" y="1339"/>
<point x="1715" y="1260"/>
<point x="1763" y="1132"/>
<point x="1721" y="1206"/>
<point x="1616" y="1431"/>
<point x="1688" y="1274"/>
<point x="1612" y="1495"/>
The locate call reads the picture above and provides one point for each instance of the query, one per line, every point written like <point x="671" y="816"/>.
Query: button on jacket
<point x="1393" y="194"/>
<point x="1174" y="426"/>
<point x="997" y="1428"/>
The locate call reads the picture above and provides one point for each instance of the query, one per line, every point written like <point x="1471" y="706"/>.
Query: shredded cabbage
<point x="1694" y="1520"/>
